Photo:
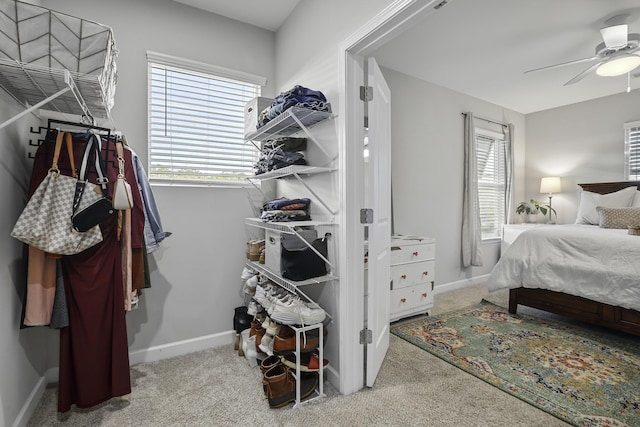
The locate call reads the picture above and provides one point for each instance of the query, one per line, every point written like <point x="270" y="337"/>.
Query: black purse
<point x="303" y="263"/>
<point x="91" y="207"/>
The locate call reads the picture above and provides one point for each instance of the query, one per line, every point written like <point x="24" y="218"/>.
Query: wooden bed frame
<point x="579" y="308"/>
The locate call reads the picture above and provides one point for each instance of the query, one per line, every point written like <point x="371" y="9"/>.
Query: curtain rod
<point x="487" y="120"/>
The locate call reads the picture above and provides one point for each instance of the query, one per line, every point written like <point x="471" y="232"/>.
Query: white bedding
<point x="584" y="260"/>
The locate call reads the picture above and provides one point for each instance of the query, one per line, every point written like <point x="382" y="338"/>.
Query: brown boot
<point x="280" y="386"/>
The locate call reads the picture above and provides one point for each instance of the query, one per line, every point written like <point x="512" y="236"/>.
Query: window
<point x="632" y="150"/>
<point x="491" y="181"/>
<point x="196" y="122"/>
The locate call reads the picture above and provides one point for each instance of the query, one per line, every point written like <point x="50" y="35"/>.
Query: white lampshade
<point x="550" y="184"/>
<point x="618" y="66"/>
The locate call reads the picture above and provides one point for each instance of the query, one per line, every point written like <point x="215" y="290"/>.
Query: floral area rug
<point x="584" y="377"/>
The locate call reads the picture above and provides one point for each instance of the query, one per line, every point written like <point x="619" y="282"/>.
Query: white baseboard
<point x="460" y="284"/>
<point x="31" y="403"/>
<point x="179" y="348"/>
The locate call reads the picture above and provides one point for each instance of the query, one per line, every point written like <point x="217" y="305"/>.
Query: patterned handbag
<point x="45" y="222"/>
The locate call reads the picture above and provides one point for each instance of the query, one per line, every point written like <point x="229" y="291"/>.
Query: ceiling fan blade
<point x="583" y="74"/>
<point x="550" y="67"/>
<point x="615" y="36"/>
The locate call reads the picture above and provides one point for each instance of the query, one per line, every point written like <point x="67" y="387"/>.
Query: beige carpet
<point x="217" y="388"/>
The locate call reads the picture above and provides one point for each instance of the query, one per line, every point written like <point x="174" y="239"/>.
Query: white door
<point x="379" y="199"/>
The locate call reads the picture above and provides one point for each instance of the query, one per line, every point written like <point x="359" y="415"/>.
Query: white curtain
<point x="509" y="179"/>
<point x="471" y="226"/>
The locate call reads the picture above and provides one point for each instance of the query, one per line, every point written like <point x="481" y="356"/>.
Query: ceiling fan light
<point x="618" y="66"/>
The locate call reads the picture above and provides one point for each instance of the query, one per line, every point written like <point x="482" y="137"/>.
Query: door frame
<point x="387" y="24"/>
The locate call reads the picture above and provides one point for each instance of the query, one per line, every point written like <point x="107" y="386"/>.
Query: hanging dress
<point x="94" y="356"/>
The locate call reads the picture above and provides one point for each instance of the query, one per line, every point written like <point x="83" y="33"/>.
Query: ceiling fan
<point x="618" y="54"/>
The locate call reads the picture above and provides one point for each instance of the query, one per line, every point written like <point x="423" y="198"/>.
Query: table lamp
<point x="550" y="185"/>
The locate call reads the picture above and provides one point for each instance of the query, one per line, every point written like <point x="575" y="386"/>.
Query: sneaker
<point x="253" y="308"/>
<point x="298" y="313"/>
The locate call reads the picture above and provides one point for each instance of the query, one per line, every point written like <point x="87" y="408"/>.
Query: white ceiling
<point x="268" y="14"/>
<point x="482" y="48"/>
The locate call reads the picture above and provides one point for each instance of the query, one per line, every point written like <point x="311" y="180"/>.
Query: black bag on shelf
<point x="303" y="263"/>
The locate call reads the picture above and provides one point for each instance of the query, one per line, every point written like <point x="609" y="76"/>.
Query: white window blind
<point x="491" y="183"/>
<point x="632" y="150"/>
<point x="196" y="126"/>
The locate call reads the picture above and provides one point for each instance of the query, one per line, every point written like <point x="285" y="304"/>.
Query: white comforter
<point x="584" y="260"/>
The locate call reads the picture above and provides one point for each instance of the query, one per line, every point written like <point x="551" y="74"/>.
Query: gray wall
<point x="24" y="353"/>
<point x="581" y="143"/>
<point x="428" y="170"/>
<point x="196" y="274"/>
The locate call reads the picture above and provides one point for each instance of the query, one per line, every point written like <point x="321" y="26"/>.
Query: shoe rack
<point x="298" y="121"/>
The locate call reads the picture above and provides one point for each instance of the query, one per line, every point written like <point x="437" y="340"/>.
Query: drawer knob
<point x="424" y="295"/>
<point x="425" y="273"/>
<point x="415" y="253"/>
<point x="404" y="276"/>
<point x="403" y="300"/>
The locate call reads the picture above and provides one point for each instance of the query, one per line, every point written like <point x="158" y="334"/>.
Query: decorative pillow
<point x="618" y="217"/>
<point x="587" y="213"/>
<point x="636" y="200"/>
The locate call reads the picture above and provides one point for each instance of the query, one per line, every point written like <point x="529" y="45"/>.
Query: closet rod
<point x="487" y="120"/>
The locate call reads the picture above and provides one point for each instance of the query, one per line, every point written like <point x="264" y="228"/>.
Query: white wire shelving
<point x="35" y="86"/>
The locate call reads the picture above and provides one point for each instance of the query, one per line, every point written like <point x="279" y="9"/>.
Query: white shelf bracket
<point x="71" y="86"/>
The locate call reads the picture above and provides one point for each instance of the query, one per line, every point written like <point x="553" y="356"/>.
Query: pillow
<point x="587" y="213"/>
<point x="618" y="217"/>
<point x="636" y="200"/>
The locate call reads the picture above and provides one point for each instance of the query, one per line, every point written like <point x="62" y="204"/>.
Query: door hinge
<point x="366" y="93"/>
<point x="366" y="336"/>
<point x="366" y="216"/>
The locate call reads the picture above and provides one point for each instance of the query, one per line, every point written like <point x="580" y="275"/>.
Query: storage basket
<point x="34" y="36"/>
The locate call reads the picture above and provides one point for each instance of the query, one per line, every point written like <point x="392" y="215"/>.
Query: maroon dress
<point x="94" y="356"/>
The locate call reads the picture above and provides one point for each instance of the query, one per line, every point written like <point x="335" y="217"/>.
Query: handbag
<point x="122" y="197"/>
<point x="97" y="206"/>
<point x="45" y="222"/>
<point x="304" y="263"/>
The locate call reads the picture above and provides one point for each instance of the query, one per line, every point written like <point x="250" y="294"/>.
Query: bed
<point x="603" y="283"/>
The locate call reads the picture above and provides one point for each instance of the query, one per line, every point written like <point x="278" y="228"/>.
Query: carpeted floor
<point x="585" y="377"/>
<point x="217" y="388"/>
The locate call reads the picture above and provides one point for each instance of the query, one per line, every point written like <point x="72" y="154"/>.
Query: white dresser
<point x="412" y="275"/>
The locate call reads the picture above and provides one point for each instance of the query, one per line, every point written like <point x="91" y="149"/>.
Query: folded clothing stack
<point x="299" y="96"/>
<point x="280" y="153"/>
<point x="282" y="210"/>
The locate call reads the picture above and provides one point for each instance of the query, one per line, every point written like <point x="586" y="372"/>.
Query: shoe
<point x="280" y="386"/>
<point x="247" y="273"/>
<point x="268" y="363"/>
<point x="255" y="247"/>
<point x="309" y="362"/>
<point x="254" y="308"/>
<point x="262" y="259"/>
<point x="286" y="342"/>
<point x="297" y="313"/>
<point x="266" y="345"/>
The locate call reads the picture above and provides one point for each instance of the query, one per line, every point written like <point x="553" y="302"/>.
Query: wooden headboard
<point x="609" y="187"/>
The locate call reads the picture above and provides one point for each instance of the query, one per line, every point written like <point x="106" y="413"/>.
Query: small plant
<point x="532" y="207"/>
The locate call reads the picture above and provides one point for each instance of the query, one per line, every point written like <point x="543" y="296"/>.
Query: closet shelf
<point x="292" y="286"/>
<point x="35" y="86"/>
<point x="285" y="227"/>
<point x="290" y="171"/>
<point x="291" y="121"/>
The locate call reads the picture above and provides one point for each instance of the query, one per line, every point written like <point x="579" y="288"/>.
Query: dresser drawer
<point x="411" y="299"/>
<point x="412" y="273"/>
<point x="401" y="251"/>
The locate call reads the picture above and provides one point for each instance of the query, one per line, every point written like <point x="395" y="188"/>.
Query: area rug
<point x="584" y="377"/>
